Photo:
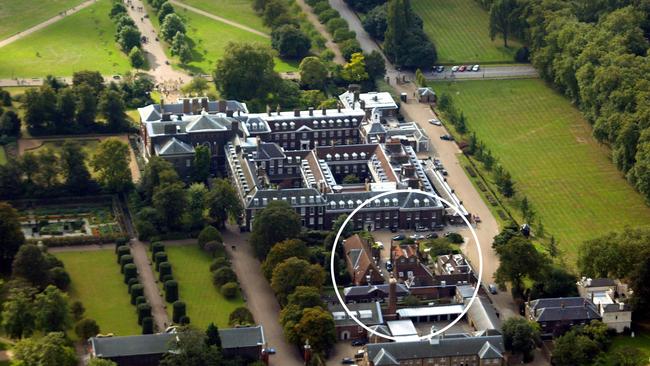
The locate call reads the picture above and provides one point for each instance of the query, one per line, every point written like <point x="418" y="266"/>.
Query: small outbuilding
<point x="426" y="95"/>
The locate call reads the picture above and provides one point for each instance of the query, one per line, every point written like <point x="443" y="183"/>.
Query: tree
<point x="75" y="172"/>
<point x="240" y="316"/>
<point x="246" y="72"/>
<point x="10" y="124"/>
<point x="222" y="276"/>
<point x="136" y="56"/>
<point x="11" y="236"/>
<point x="575" y="349"/>
<point x="504" y="181"/>
<point x="198" y="85"/>
<point x="111" y="162"/>
<point x="527" y="211"/>
<point x="276" y="222"/>
<point x="349" y="47"/>
<point x="101" y="362"/>
<point x="51" y="349"/>
<point x="290" y="41"/>
<point x="317" y="326"/>
<point x="622" y="356"/>
<point x="554" y="282"/>
<point x="224" y="202"/>
<point x="502" y="19"/>
<point x="305" y="297"/>
<point x="276" y="13"/>
<point x="229" y="290"/>
<point x="128" y="38"/>
<point x="47" y="175"/>
<point x="313" y="72"/>
<point x="375" y="22"/>
<point x="92" y="79"/>
<point x="171" y="25"/>
<point x="66" y="103"/>
<point x="208" y="234"/>
<point x="212" y="337"/>
<point x="77" y="310"/>
<point x="86" y="110"/>
<point x="295" y="272"/>
<point x="191" y="349"/>
<point x="181" y="48"/>
<point x="282" y="251"/>
<point x="641" y="298"/>
<point x="117" y="9"/>
<point x="202" y="162"/>
<point x="520" y="336"/>
<point x="156" y="172"/>
<point x="30" y="264"/>
<point x="86" y="328"/>
<point x="375" y="65"/>
<point x="163" y="10"/>
<point x="111" y="106"/>
<point x="170" y="201"/>
<point x="18" y="313"/>
<point x="196" y="204"/>
<point x="355" y="70"/>
<point x="52" y="312"/>
<point x="518" y="258"/>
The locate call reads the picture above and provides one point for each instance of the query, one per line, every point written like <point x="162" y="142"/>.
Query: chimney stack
<point x="222" y="106"/>
<point x="356" y="96"/>
<point x="186" y="106"/>
<point x="268" y="110"/>
<point x="204" y="104"/>
<point x="307" y="352"/>
<point x="296" y="112"/>
<point x="324" y="111"/>
<point x="621" y="306"/>
<point x="277" y="109"/>
<point x="162" y="105"/>
<point x="311" y="111"/>
<point x="338" y="107"/>
<point x="362" y="104"/>
<point x="392" y="295"/>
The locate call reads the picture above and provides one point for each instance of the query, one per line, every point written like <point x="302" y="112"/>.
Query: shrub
<point x="240" y="316"/>
<point x="321" y="6"/>
<point x="144" y="311"/>
<point x="130" y="271"/>
<point x="215" y="248"/>
<point x="348" y="47"/>
<point x="132" y="281"/>
<point x="124" y="260"/>
<point x="219" y="263"/>
<point x="164" y="269"/>
<point x="77" y="309"/>
<point x="60" y="278"/>
<point x="455" y="238"/>
<point x="120" y="242"/>
<point x="341" y="35"/>
<point x="136" y="290"/>
<point x="326" y="15"/>
<point x="335" y="24"/>
<point x="147" y="325"/>
<point x="222" y="276"/>
<point x="166" y="278"/>
<point x="140" y="300"/>
<point x="123" y="250"/>
<point x="171" y="291"/>
<point x="86" y="328"/>
<point x="156" y="247"/>
<point x="208" y="234"/>
<point x="159" y="258"/>
<point x="184" y="320"/>
<point x="179" y="310"/>
<point x="229" y="290"/>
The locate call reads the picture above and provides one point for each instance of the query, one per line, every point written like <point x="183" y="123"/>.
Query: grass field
<point x="544" y="142"/>
<point x="97" y="282"/>
<point x="459" y="29"/>
<point x="19" y="15"/>
<point x="641" y="341"/>
<point x="83" y="41"/>
<point x="240" y="11"/>
<point x="3" y="156"/>
<point x="191" y="267"/>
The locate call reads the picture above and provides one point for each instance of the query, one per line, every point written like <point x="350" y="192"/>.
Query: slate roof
<point x="242" y="337"/>
<point x="384" y="358"/>
<point x="174" y="146"/>
<point x="602" y="282"/>
<point x="563" y="308"/>
<point x="286" y="195"/>
<point x="269" y="150"/>
<point x="374" y="307"/>
<point x="447" y="346"/>
<point x="207" y="123"/>
<point x="425" y="91"/>
<point x="376" y="128"/>
<point x="483" y="314"/>
<point x="149" y="344"/>
<point x="382" y="289"/>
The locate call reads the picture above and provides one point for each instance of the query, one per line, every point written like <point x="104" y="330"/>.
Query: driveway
<point x="259" y="296"/>
<point x="485" y="72"/>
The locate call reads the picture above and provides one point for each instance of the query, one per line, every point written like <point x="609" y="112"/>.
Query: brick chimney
<point x="296" y="112"/>
<point x="186" y="106"/>
<point x="311" y="111"/>
<point x="307" y="352"/>
<point x="392" y="296"/>
<point x="324" y="111"/>
<point x="204" y="104"/>
<point x="222" y="106"/>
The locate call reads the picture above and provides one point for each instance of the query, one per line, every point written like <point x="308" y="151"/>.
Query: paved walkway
<point x="148" y="280"/>
<point x="329" y="42"/>
<point x="219" y="19"/>
<point x="259" y="296"/>
<point x="46" y="23"/>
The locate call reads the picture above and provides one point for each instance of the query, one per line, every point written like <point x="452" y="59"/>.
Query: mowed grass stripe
<point x="191" y="267"/>
<point x="240" y="11"/>
<point x="82" y="41"/>
<point x="459" y="29"/>
<point x="99" y="285"/>
<point x="548" y="148"/>
<point x="19" y="15"/>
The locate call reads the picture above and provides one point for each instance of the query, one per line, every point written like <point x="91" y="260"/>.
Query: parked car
<point x="439" y="227"/>
<point x="389" y="265"/>
<point x="359" y="342"/>
<point x="432" y="236"/>
<point x="347" y="361"/>
<point x="475" y="68"/>
<point x="446" y="137"/>
<point x="270" y="351"/>
<point x="454" y="69"/>
<point x="462" y="68"/>
<point x="444" y="172"/>
<point x="417" y="236"/>
<point x="399" y="237"/>
<point x="440" y="68"/>
<point x="435" y="121"/>
<point x="393" y="229"/>
<point x="493" y="288"/>
<point x="420" y="228"/>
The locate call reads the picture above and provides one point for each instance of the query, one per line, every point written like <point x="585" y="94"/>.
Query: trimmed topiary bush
<point x="147" y="325"/>
<point x="166" y="278"/>
<point x="157" y="247"/>
<point x="222" y="276"/>
<point x="144" y="311"/>
<point x="229" y="290"/>
<point x="164" y="269"/>
<point x="171" y="291"/>
<point x="179" y="311"/>
<point x="124" y="260"/>
<point x="136" y="290"/>
<point x="140" y="300"/>
<point x="132" y="281"/>
<point x="219" y="263"/>
<point x="121" y="242"/>
<point x="123" y="250"/>
<point x="184" y="320"/>
<point x="159" y="258"/>
<point x="130" y="271"/>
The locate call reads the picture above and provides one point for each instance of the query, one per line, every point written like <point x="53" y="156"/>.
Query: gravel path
<point x="46" y="23"/>
<point x="329" y="42"/>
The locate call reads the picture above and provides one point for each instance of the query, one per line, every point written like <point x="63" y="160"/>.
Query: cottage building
<point x="557" y="315"/>
<point x="346" y="328"/>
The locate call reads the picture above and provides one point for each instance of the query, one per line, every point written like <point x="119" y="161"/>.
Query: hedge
<point x="229" y="290"/>
<point x="179" y="311"/>
<point x="140" y="300"/>
<point x="136" y="291"/>
<point x="171" y="291"/>
<point x="144" y="311"/>
<point x="123" y="250"/>
<point x="157" y="247"/>
<point x="159" y="258"/>
<point x="130" y="271"/>
<point x="124" y="260"/>
<point x="66" y="241"/>
<point x="164" y="269"/>
<point x="147" y="325"/>
<point x="132" y="281"/>
<point x="184" y="320"/>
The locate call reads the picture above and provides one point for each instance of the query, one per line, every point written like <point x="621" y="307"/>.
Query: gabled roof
<point x="149" y="113"/>
<point x="376" y="128"/>
<point x="242" y="337"/>
<point x="174" y="146"/>
<point x="269" y="150"/>
<point x="425" y="91"/>
<point x="489" y="351"/>
<point x="148" y="344"/>
<point x="384" y="358"/>
<point x="563" y="308"/>
<point x="207" y="122"/>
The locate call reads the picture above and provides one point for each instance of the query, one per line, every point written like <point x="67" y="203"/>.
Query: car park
<point x="393" y="229"/>
<point x="399" y="237"/>
<point x="462" y="68"/>
<point x="444" y="172"/>
<point x="475" y="68"/>
<point x="417" y="236"/>
<point x="439" y="227"/>
<point x="454" y="69"/>
<point x="421" y="228"/>
<point x="435" y="121"/>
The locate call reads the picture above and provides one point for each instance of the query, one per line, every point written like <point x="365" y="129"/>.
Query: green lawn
<point x="97" y="282"/>
<point x="3" y="156"/>
<point x="641" y="341"/>
<point x="83" y="41"/>
<point x="19" y="15"/>
<point x="191" y="267"/>
<point x="544" y="142"/>
<point x="240" y="11"/>
<point x="459" y="29"/>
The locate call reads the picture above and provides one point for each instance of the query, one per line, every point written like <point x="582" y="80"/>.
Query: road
<point x="219" y="19"/>
<point x="260" y="299"/>
<point x="46" y="23"/>
<point x="485" y="72"/>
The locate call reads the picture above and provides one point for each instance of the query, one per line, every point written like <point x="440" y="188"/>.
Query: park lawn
<point x="641" y="341"/>
<point x="240" y="11"/>
<point x="205" y="305"/>
<point x="546" y="144"/>
<point x="19" y="15"/>
<point x="3" y="156"/>
<point x="83" y="41"/>
<point x="98" y="284"/>
<point x="459" y="29"/>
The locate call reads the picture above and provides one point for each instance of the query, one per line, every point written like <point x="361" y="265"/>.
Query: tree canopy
<point x="276" y="222"/>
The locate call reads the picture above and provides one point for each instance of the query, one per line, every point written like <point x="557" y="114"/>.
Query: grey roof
<point x="286" y="195"/>
<point x="207" y="122"/>
<point x="611" y="308"/>
<point x="425" y="91"/>
<point x="602" y="282"/>
<point x="269" y="150"/>
<point x="148" y="344"/>
<point x="483" y="314"/>
<point x="384" y="358"/>
<point x="376" y="128"/>
<point x="242" y="337"/>
<point x="447" y="346"/>
<point x="406" y="199"/>
<point x="382" y="289"/>
<point x="563" y="308"/>
<point x="374" y="307"/>
<point x="465" y="291"/>
<point x="488" y="351"/>
<point x="174" y="146"/>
